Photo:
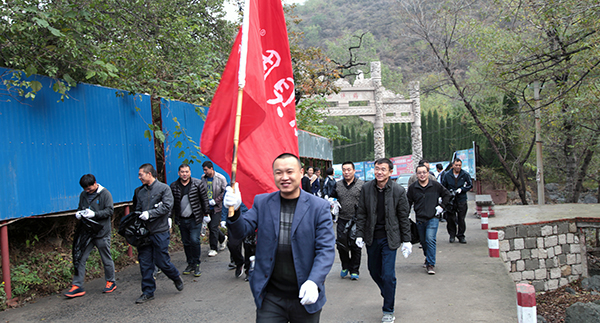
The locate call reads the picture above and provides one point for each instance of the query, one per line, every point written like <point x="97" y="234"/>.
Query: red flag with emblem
<point x="268" y="122"/>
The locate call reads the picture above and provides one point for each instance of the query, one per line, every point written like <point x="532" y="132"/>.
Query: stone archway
<point x="368" y="99"/>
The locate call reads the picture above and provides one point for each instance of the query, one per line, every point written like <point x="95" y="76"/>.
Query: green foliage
<point x="310" y="115"/>
<point x="23" y="279"/>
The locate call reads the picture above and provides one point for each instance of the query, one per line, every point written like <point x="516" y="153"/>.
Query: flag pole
<point x="241" y="84"/>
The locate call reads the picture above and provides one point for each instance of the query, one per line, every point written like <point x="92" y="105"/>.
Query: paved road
<point x="468" y="287"/>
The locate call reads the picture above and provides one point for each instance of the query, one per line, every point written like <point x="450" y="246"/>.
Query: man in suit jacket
<point x="290" y="222"/>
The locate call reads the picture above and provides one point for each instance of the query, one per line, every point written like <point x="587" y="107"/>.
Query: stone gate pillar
<point x="379" y="114"/>
<point x="417" y="141"/>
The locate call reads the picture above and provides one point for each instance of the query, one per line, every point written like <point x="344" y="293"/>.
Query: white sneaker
<point x="388" y="318"/>
<point x="223" y="245"/>
<point x="212" y="253"/>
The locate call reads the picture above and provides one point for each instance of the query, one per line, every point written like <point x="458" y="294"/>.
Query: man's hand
<point x="438" y="210"/>
<point x="88" y="213"/>
<point x="145" y="215"/>
<point x="458" y="191"/>
<point x="309" y="293"/>
<point x="359" y="242"/>
<point x="406" y="249"/>
<point x="223" y="224"/>
<point x="232" y="198"/>
<point x="206" y="219"/>
<point x="212" y="202"/>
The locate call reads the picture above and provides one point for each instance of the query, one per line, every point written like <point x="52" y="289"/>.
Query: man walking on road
<point x="424" y="195"/>
<point x="347" y="191"/>
<point x="154" y="201"/>
<point x="189" y="209"/>
<point x="382" y="223"/>
<point x="459" y="182"/>
<point x="215" y="184"/>
<point x="294" y="246"/>
<point x="95" y="203"/>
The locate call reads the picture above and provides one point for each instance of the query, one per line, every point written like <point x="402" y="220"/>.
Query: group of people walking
<point x="292" y="229"/>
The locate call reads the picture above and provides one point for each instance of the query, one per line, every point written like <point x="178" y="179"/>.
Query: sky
<point x="231" y="8"/>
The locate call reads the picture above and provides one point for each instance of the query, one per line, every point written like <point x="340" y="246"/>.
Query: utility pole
<point x="538" y="146"/>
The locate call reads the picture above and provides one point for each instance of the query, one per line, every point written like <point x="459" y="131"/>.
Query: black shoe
<point x="144" y="298"/>
<point x="188" y="270"/>
<point x="238" y="271"/>
<point x="231" y="266"/>
<point x="462" y="240"/>
<point x="247" y="278"/>
<point x="451" y="240"/>
<point x="178" y="284"/>
<point x="197" y="271"/>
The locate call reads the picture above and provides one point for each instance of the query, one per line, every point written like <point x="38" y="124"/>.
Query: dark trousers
<point x="235" y="251"/>
<point x="216" y="236"/>
<point x="190" y="237"/>
<point x="156" y="253"/>
<point x="457" y="220"/>
<point x="103" y="246"/>
<point x="382" y="267"/>
<point x="349" y="252"/>
<point x="276" y="309"/>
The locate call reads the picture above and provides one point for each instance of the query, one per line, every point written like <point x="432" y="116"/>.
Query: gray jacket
<point x="219" y="185"/>
<point x="102" y="206"/>
<point x="149" y="198"/>
<point x="397" y="224"/>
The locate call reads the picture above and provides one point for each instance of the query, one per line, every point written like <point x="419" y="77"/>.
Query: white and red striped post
<point x="491" y="210"/>
<point x="484" y="221"/>
<point x="526" y="310"/>
<point x="493" y="244"/>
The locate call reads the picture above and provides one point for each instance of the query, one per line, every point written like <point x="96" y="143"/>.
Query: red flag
<point x="268" y="126"/>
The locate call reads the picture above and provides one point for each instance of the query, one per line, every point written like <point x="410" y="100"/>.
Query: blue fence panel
<point x="192" y="124"/>
<point x="46" y="146"/>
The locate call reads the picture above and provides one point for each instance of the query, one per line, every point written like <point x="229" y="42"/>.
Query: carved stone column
<point x="417" y="141"/>
<point x="379" y="115"/>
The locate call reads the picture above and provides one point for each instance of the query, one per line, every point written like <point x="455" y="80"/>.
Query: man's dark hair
<point x="329" y="171"/>
<point x="184" y="166"/>
<point x="288" y="155"/>
<point x="423" y="162"/>
<point x="348" y="163"/>
<point x="456" y="160"/>
<point x="207" y="164"/>
<point x="87" y="180"/>
<point x="309" y="167"/>
<point x="439" y="167"/>
<point x="385" y="161"/>
<point x="148" y="168"/>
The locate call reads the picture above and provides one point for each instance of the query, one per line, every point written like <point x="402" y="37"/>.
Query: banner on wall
<point x="402" y="165"/>
<point x="360" y="170"/>
<point x="369" y="170"/>
<point x="337" y="172"/>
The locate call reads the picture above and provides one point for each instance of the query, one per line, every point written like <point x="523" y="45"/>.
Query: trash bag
<point x="414" y="232"/>
<point x="91" y="225"/>
<point x="134" y="230"/>
<point x="83" y="238"/>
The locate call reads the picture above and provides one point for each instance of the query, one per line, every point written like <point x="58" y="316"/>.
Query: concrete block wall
<point x="547" y="256"/>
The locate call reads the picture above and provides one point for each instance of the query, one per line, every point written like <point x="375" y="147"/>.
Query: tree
<point x="444" y="27"/>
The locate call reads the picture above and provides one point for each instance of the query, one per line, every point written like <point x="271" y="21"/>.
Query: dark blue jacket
<point x="312" y="239"/>
<point x="463" y="181"/>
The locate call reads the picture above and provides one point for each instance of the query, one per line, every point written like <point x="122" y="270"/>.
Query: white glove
<point x="78" y="215"/>
<point x="88" y="213"/>
<point x="439" y="200"/>
<point x="327" y="197"/>
<point x="145" y="215"/>
<point x="223" y="224"/>
<point x="309" y="293"/>
<point x="359" y="242"/>
<point x="406" y="249"/>
<point x="232" y="198"/>
<point x="438" y="210"/>
<point x="206" y="219"/>
<point x="212" y="202"/>
<point x="170" y="222"/>
<point x="458" y="191"/>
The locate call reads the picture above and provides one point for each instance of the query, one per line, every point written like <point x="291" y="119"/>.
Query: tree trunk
<point x="587" y="159"/>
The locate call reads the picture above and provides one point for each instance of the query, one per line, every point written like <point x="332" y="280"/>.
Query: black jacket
<point x="328" y="187"/>
<point x="463" y="181"/>
<point x="397" y="224"/>
<point x="149" y="198"/>
<point x="198" y="200"/>
<point x="425" y="199"/>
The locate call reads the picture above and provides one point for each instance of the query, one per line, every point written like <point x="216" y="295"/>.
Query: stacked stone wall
<point x="546" y="256"/>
